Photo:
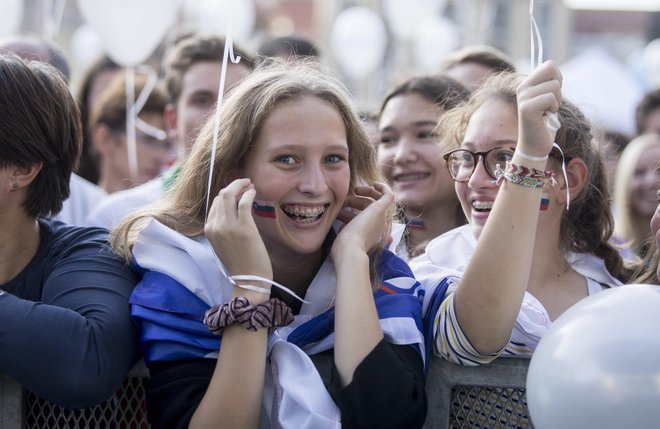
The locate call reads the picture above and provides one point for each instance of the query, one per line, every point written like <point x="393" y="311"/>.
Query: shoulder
<point x="452" y="249"/>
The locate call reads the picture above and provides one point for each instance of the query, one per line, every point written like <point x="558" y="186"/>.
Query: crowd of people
<point x="287" y="266"/>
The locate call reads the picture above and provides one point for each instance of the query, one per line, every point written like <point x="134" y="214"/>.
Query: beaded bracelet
<point x="524" y="176"/>
<point x="270" y="314"/>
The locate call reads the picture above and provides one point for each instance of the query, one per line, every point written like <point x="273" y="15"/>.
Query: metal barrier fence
<point x="490" y="396"/>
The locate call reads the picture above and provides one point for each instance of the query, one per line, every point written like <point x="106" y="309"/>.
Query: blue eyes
<point x="290" y="159"/>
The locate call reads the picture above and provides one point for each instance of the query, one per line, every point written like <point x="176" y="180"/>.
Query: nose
<point x="480" y="177"/>
<point x="312" y="180"/>
<point x="404" y="151"/>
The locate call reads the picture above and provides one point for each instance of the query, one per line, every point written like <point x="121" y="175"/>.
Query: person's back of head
<point x="647" y="113"/>
<point x="32" y="47"/>
<point x="474" y="63"/>
<point x="39" y="124"/>
<point x="295" y="45"/>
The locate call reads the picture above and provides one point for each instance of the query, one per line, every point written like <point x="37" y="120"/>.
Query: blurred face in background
<point x="646" y="182"/>
<point x="409" y="154"/>
<point x="199" y="94"/>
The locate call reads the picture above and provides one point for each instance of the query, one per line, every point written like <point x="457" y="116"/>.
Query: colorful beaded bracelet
<point x="524" y="176"/>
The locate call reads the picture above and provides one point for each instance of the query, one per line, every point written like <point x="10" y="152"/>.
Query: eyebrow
<point x="496" y="142"/>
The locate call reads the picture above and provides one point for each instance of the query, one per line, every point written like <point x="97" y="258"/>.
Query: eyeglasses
<point x="461" y="163"/>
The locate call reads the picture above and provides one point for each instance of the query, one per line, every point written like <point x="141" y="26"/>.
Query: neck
<point x="19" y="242"/>
<point x="436" y="221"/>
<point x="297" y="272"/>
<point x="111" y="181"/>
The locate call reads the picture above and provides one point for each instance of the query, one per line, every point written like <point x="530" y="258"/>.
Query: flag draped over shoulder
<point x="182" y="278"/>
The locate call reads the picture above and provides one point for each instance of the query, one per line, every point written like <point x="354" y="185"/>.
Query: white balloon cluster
<point x="359" y="36"/>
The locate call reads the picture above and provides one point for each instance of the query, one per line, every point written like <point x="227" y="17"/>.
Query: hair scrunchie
<point x="270" y="314"/>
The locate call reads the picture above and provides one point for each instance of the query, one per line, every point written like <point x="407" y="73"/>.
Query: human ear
<point x="21" y="177"/>
<point x="578" y="175"/>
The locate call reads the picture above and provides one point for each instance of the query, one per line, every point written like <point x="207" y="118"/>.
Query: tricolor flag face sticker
<point x="264" y="208"/>
<point x="416" y="223"/>
<point x="545" y="202"/>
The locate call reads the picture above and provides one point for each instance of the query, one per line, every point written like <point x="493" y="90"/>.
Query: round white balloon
<point x="598" y="366"/>
<point x="10" y="17"/>
<point x="434" y="38"/>
<point x="212" y="16"/>
<point x="651" y="63"/>
<point x="358" y="40"/>
<point x="405" y="15"/>
<point x="86" y="46"/>
<point x="130" y="29"/>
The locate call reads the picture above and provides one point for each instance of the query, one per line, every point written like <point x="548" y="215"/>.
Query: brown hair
<point x="39" y="122"/>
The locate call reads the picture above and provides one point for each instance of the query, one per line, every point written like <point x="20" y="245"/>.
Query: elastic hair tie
<point x="523" y="155"/>
<point x="233" y="280"/>
<point x="270" y="314"/>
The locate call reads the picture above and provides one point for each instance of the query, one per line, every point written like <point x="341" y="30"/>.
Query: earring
<point x="14" y="186"/>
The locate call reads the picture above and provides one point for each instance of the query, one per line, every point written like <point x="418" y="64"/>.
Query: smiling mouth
<point x="410" y="177"/>
<point x="482" y="206"/>
<point x="304" y="214"/>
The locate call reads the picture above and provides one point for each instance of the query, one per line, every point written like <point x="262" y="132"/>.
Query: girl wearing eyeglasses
<point x="539" y="221"/>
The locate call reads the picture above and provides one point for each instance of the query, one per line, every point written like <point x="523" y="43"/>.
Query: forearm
<point x="233" y="398"/>
<point x="491" y="291"/>
<point x="68" y="358"/>
<point x="357" y="329"/>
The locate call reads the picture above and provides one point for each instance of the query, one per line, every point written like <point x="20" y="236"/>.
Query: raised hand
<point x="539" y="93"/>
<point x="365" y="217"/>
<point x="231" y="230"/>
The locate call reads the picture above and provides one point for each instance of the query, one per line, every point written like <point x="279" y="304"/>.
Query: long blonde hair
<point x="627" y="223"/>
<point x="243" y="114"/>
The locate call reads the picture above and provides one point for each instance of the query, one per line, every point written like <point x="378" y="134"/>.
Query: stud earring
<point x="14" y="186"/>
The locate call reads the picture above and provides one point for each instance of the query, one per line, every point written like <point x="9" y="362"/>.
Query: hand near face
<point x="365" y="214"/>
<point x="231" y="230"/>
<point x="539" y="93"/>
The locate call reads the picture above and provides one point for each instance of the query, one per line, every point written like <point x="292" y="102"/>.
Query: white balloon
<point x="10" y="17"/>
<point x="405" y="15"/>
<point x="86" y="46"/>
<point x="651" y="63"/>
<point x="130" y="29"/>
<point x="598" y="366"/>
<point x="212" y="16"/>
<point x="358" y="40"/>
<point x="434" y="38"/>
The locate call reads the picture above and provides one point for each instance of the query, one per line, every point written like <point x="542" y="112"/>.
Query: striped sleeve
<point x="450" y="342"/>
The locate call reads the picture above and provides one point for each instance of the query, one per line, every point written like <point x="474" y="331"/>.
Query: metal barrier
<point x="490" y="396"/>
<point x="126" y="409"/>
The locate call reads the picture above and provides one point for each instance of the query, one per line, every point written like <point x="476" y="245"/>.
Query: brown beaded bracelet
<point x="270" y="314"/>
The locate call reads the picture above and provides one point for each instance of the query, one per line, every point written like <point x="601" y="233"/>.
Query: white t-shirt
<point x="116" y="206"/>
<point x="84" y="197"/>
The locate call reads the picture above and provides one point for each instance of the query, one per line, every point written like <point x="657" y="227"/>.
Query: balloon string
<point x="228" y="53"/>
<point x="150" y="84"/>
<point x="53" y="16"/>
<point x="131" y="116"/>
<point x="551" y="119"/>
